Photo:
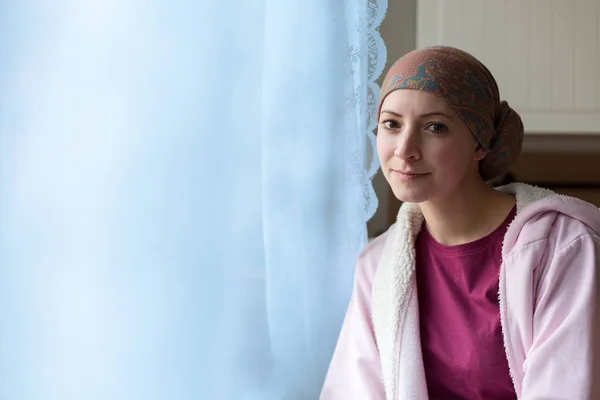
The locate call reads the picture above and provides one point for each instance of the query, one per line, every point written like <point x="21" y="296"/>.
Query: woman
<point x="474" y="292"/>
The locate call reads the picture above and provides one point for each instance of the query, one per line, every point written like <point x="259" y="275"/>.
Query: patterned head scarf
<point x="471" y="90"/>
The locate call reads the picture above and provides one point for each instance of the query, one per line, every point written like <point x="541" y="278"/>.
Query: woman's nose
<point x="408" y="145"/>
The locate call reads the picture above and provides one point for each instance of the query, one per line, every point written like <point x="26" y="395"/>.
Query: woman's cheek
<point x="385" y="147"/>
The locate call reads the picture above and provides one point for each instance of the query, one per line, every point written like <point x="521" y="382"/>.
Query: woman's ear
<point x="480" y="153"/>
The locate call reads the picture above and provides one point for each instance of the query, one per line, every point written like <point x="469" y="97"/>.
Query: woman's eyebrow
<point x="429" y="114"/>
<point x="391" y="112"/>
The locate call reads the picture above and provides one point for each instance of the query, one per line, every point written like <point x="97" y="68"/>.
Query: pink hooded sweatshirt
<point x="547" y="293"/>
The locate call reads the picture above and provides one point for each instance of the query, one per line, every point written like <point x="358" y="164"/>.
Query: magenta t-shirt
<point x="461" y="336"/>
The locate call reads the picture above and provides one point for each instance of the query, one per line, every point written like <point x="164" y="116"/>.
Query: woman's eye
<point x="389" y="124"/>
<point x="437" y="128"/>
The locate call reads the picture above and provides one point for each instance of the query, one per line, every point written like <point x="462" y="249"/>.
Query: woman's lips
<point x="407" y="176"/>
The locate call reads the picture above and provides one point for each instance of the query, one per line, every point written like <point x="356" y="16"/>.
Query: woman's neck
<point x="467" y="214"/>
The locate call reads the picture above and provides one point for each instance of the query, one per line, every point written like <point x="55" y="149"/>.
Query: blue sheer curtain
<point x="184" y="190"/>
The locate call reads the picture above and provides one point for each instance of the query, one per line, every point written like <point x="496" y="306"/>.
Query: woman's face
<point x="425" y="150"/>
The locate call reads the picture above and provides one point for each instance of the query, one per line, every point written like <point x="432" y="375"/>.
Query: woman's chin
<point x="412" y="194"/>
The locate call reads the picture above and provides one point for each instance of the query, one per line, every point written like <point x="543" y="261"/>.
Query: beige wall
<point x="398" y="30"/>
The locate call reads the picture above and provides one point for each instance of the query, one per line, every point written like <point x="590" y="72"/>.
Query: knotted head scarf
<point x="471" y="90"/>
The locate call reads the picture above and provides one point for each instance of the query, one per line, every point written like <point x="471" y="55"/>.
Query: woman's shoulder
<point x="369" y="257"/>
<point x="555" y="218"/>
